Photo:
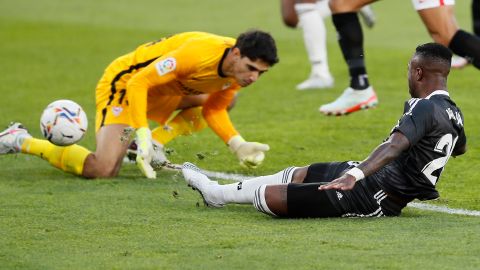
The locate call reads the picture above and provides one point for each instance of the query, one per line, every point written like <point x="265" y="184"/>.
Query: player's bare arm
<point x="381" y="156"/>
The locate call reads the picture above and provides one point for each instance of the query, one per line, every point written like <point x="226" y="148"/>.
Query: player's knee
<point x="96" y="168"/>
<point x="260" y="202"/>
<point x="100" y="173"/>
<point x="341" y="6"/>
<point x="441" y="38"/>
<point x="443" y="35"/>
<point x="299" y="175"/>
<point x="271" y="200"/>
<point x="290" y="20"/>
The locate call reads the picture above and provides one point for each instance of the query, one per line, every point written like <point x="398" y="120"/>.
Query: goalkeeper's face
<point x="247" y="71"/>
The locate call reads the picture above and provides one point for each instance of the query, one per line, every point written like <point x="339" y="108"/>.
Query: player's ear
<point x="236" y="52"/>
<point x="419" y="73"/>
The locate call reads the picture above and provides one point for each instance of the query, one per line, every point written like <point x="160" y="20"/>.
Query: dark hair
<point x="434" y="51"/>
<point x="256" y="44"/>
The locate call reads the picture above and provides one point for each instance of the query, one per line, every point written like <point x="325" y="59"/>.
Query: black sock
<point x="351" y="42"/>
<point x="476" y="17"/>
<point x="466" y="45"/>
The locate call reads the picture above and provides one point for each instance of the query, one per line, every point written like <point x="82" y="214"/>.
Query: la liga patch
<point x="166" y="65"/>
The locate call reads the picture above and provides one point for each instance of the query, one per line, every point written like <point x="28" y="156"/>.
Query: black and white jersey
<point x="434" y="128"/>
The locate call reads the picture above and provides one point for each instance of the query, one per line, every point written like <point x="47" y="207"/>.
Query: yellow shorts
<point x="112" y="105"/>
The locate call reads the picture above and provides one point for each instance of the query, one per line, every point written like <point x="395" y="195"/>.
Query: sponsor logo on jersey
<point x="117" y="110"/>
<point x="239" y="186"/>
<point x="339" y="195"/>
<point x="166" y="65"/>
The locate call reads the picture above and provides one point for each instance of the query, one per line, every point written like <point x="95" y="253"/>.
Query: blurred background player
<point x="476" y="17"/>
<point x="438" y="18"/>
<point x="458" y="61"/>
<point x="309" y="15"/>
<point x="151" y="83"/>
<point x="406" y="166"/>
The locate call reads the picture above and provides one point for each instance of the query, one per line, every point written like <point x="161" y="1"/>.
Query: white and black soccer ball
<point x="63" y="122"/>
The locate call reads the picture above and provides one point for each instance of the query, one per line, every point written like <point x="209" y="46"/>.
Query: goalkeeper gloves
<point x="145" y="152"/>
<point x="250" y="154"/>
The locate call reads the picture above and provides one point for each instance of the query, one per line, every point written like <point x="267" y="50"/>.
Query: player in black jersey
<point x="406" y="166"/>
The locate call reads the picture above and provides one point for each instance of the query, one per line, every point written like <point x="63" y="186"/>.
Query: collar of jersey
<point x="219" y="68"/>
<point x="437" y="92"/>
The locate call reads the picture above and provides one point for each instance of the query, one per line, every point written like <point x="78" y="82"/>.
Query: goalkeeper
<point x="195" y="73"/>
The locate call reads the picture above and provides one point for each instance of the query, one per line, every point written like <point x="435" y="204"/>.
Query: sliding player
<point x="406" y="166"/>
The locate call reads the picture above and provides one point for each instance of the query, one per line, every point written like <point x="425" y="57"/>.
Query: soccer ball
<point x="63" y="122"/>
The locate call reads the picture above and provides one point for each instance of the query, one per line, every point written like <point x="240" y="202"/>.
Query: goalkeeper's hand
<point x="145" y="152"/>
<point x="250" y="154"/>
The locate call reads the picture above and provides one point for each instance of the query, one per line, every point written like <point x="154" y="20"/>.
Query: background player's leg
<point x="111" y="148"/>
<point x="359" y="95"/>
<point x="289" y="15"/>
<point x="351" y="43"/>
<point x="311" y="14"/>
<point x="442" y="26"/>
<point x="476" y="17"/>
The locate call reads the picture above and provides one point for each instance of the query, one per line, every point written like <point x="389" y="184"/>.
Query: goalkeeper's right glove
<point x="250" y="154"/>
<point x="145" y="152"/>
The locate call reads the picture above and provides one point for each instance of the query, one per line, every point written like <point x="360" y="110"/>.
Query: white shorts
<point x="425" y="4"/>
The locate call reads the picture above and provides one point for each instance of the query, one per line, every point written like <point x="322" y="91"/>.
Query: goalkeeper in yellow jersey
<point x="195" y="73"/>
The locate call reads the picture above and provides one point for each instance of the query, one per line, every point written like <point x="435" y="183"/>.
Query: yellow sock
<point x="67" y="158"/>
<point x="185" y="123"/>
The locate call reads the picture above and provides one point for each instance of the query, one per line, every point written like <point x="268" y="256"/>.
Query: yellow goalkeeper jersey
<point x="183" y="64"/>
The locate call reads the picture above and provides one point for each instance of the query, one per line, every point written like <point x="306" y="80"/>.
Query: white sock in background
<point x="314" y="36"/>
<point x="323" y="8"/>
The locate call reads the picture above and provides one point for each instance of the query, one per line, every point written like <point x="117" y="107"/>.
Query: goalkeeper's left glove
<point x="145" y="152"/>
<point x="250" y="154"/>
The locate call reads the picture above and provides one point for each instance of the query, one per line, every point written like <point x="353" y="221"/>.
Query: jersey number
<point x="446" y="142"/>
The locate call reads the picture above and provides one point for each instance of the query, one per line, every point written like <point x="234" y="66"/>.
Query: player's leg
<point x="70" y="159"/>
<point x="289" y="15"/>
<point x="368" y="16"/>
<point x="188" y="120"/>
<point x="360" y="94"/>
<point x="301" y="198"/>
<point x="217" y="195"/>
<point x="442" y="26"/>
<point x="476" y="17"/>
<point x="296" y="201"/>
<point x="366" y="199"/>
<point x="111" y="148"/>
<point x="310" y="14"/>
<point x="243" y="192"/>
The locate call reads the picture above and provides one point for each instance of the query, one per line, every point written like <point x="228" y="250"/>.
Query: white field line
<point x="421" y="206"/>
<point x="444" y="209"/>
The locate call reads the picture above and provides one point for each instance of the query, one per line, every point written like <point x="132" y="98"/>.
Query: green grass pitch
<point x="54" y="49"/>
